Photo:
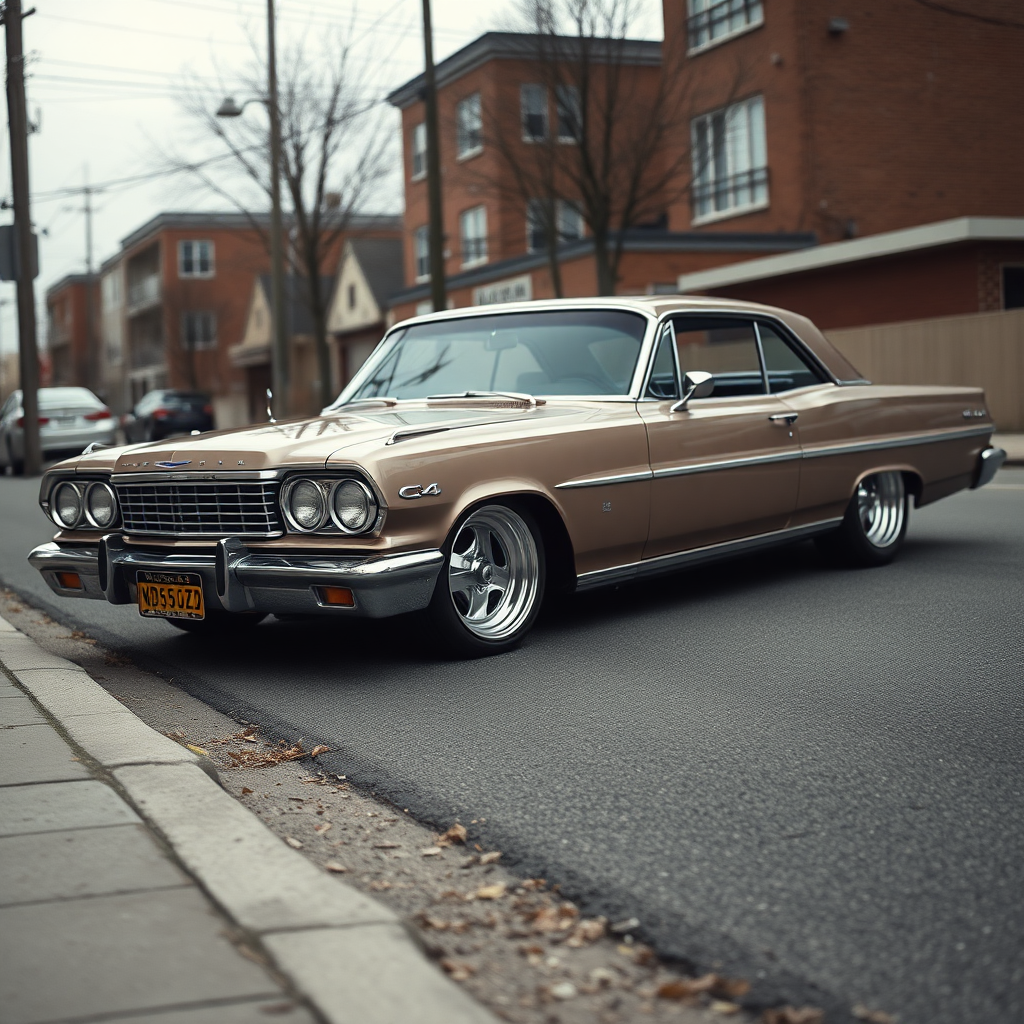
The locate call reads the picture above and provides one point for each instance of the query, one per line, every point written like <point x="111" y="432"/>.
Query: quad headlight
<point x="83" y="504"/>
<point x="329" y="505"/>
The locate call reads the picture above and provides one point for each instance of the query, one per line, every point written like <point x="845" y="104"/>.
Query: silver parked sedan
<point x="69" y="420"/>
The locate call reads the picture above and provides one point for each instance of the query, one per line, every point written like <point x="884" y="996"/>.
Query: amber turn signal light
<point x="70" y="580"/>
<point x="340" y="596"/>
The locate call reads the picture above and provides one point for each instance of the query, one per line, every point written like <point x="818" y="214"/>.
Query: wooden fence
<point x="981" y="349"/>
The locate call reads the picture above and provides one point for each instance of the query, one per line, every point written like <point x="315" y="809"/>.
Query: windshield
<point x="568" y="352"/>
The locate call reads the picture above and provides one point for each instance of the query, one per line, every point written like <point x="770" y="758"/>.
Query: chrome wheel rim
<point x="494" y="572"/>
<point x="882" y="506"/>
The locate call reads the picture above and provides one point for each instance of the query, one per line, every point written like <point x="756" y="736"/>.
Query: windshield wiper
<point x="383" y="400"/>
<point x="515" y="396"/>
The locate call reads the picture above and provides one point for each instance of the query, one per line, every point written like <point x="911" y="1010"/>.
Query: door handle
<point x="789" y="418"/>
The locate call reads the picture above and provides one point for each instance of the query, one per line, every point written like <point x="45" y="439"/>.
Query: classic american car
<point x="482" y="457"/>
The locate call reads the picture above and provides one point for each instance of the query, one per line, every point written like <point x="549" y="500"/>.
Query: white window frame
<point x="567" y="97"/>
<point x="205" y="317"/>
<point x="742" y="15"/>
<point x="568" y="213"/>
<point x="418" y="149"/>
<point x="473" y="236"/>
<point x="195" y="258"/>
<point x="533" y="89"/>
<point x="741" y="153"/>
<point x="421" y="252"/>
<point x="469" y="127"/>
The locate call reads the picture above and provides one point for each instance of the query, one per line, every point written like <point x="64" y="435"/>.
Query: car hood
<point x="299" y="443"/>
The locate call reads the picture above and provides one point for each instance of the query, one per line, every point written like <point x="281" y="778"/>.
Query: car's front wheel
<point x="875" y="523"/>
<point x="489" y="591"/>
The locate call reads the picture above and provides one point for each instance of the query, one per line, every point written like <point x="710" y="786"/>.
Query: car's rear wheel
<point x="217" y="623"/>
<point x="875" y="523"/>
<point x="489" y="591"/>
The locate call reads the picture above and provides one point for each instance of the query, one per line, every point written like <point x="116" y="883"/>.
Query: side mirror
<point x="696" y="384"/>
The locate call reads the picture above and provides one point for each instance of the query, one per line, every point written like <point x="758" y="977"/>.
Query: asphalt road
<point x="808" y="776"/>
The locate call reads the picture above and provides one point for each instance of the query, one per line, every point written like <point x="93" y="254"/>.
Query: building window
<point x="469" y="126"/>
<point x="713" y="21"/>
<point x="421" y="240"/>
<point x="533" y="103"/>
<point x="198" y="330"/>
<point x="568" y="219"/>
<point x="567" y="107"/>
<point x="1013" y="287"/>
<point x="730" y="172"/>
<point x="473" y="230"/>
<point x="419" y="151"/>
<point x="351" y="296"/>
<point x="195" y="259"/>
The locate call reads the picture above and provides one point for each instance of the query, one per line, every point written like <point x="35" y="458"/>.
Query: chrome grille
<point x="204" y="508"/>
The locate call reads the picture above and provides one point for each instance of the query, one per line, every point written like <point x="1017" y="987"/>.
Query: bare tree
<point x="618" y="146"/>
<point x="335" y="158"/>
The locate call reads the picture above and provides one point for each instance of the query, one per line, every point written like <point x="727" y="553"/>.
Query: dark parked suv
<point x="165" y="413"/>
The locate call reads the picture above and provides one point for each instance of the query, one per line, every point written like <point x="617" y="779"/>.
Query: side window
<point x="663" y="383"/>
<point x="723" y="346"/>
<point x="787" y="369"/>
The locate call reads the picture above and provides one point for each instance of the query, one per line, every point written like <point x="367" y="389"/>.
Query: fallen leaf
<point x="793" y="1015"/>
<point x="246" y="791"/>
<point x="533" y="950"/>
<point x="431" y="851"/>
<point x="387" y="846"/>
<point x="492" y="892"/>
<point x="338" y="869"/>
<point x="197" y="750"/>
<point x="725" y="1008"/>
<point x="318" y="750"/>
<point x="456" y="834"/>
<point x="862" y="1012"/>
<point x="586" y="932"/>
<point x="553" y="919"/>
<point x="322" y="828"/>
<point x="602" y="977"/>
<point x="249" y="739"/>
<point x="293" y="843"/>
<point x="437" y="924"/>
<point x="562" y="991"/>
<point x="622" y="927"/>
<point x="379" y="886"/>
<point x="533" y="883"/>
<point x="458" y="970"/>
<point x="713" y="984"/>
<point x="491" y="858"/>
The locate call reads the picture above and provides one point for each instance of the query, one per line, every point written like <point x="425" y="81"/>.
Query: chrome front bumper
<point x="989" y="462"/>
<point x="236" y="579"/>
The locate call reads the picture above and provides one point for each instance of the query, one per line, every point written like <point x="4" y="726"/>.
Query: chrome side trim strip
<point x="601" y="481"/>
<point x="707" y="467"/>
<point x="895" y="442"/>
<point x="678" y="560"/>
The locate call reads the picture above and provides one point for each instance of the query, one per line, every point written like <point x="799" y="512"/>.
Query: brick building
<point x="72" y="330"/>
<point x="492" y="101"/>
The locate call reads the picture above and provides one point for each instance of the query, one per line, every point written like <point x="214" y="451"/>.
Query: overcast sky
<point x="105" y="83"/>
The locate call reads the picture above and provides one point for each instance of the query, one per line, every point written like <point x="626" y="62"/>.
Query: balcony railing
<point x="144" y="292"/>
<point x="748" y="188"/>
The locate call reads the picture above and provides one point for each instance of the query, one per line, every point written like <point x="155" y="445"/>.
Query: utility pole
<point x="91" y="377"/>
<point x="279" y="351"/>
<point x="28" y="353"/>
<point x="436" y="232"/>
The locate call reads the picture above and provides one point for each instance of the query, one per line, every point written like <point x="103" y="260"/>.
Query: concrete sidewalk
<point x="133" y="888"/>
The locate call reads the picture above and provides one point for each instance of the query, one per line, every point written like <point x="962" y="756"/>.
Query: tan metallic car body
<point x="618" y="486"/>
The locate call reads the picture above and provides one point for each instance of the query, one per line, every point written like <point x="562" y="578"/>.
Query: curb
<point x="349" y="955"/>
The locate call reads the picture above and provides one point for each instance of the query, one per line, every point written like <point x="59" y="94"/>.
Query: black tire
<point x="217" y="623"/>
<point x="875" y="523"/>
<point x="17" y="465"/>
<point x="488" y="602"/>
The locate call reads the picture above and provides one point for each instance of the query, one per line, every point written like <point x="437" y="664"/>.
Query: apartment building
<point x="496" y="109"/>
<point x="71" y="332"/>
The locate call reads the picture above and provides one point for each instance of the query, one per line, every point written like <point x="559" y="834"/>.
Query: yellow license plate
<point x="170" y="595"/>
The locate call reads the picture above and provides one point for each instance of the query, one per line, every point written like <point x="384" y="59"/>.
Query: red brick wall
<point x="76" y="361"/>
<point x="910" y="116"/>
<point x="914" y="286"/>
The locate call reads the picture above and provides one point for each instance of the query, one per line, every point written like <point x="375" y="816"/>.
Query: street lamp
<point x="279" y="333"/>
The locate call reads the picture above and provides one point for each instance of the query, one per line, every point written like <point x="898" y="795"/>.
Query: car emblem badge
<point x="172" y="465"/>
<point x="418" y="491"/>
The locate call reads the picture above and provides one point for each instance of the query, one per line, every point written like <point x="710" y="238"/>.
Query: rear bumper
<point x="989" y="462"/>
<point x="238" y="580"/>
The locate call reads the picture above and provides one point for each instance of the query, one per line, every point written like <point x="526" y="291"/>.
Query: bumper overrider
<point x="989" y="462"/>
<point x="236" y="579"/>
